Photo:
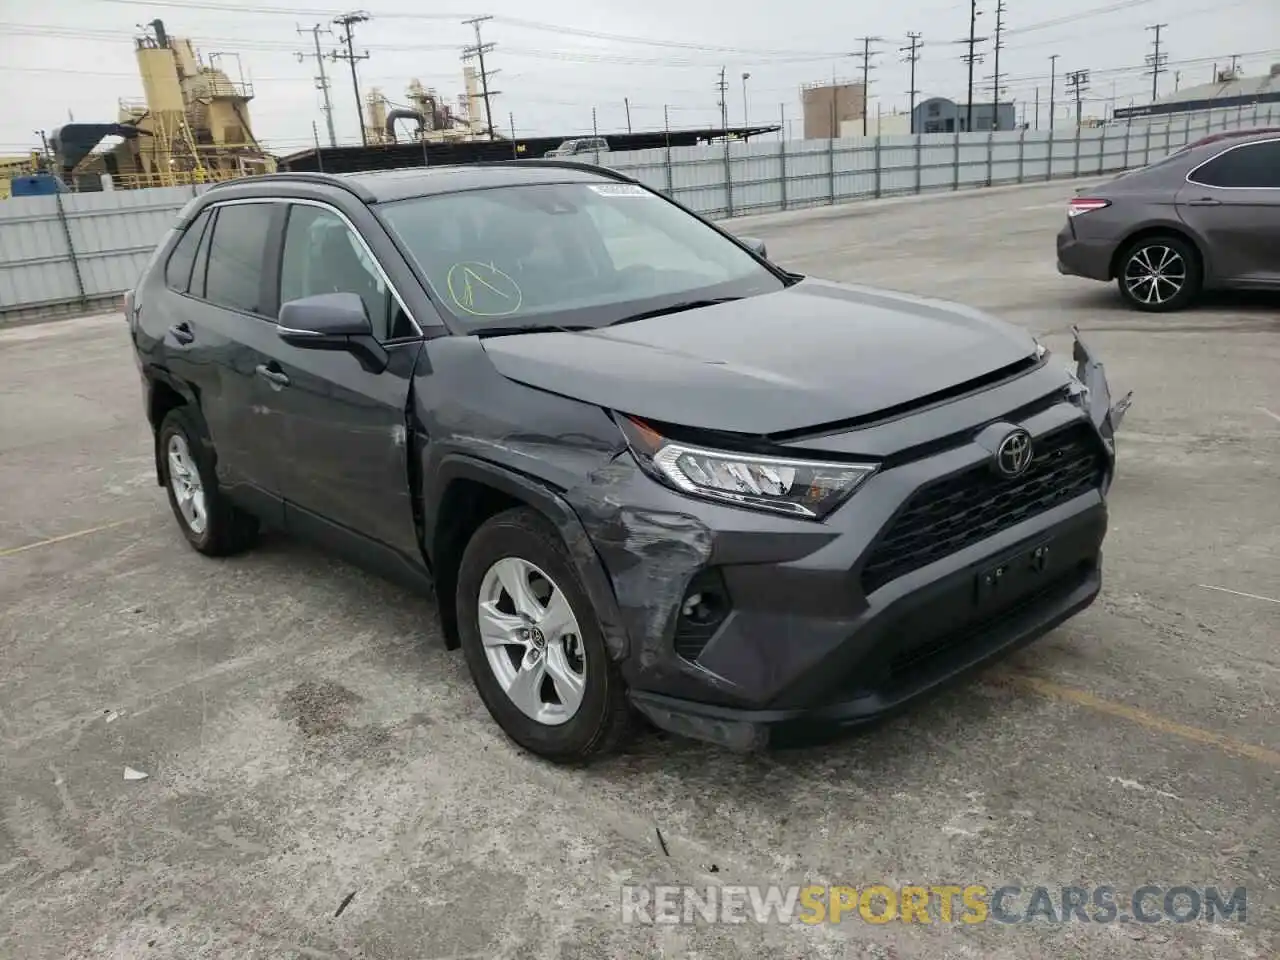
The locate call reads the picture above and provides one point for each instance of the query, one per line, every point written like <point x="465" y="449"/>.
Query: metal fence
<point x="76" y="252"/>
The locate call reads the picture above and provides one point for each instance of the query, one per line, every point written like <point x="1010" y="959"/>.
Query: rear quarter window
<point x="177" y="271"/>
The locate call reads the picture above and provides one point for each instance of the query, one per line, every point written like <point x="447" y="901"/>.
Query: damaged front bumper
<point x="824" y="625"/>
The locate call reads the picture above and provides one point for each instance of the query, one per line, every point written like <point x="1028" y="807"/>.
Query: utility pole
<point x="995" y="77"/>
<point x="1053" y="80"/>
<point x="1156" y="59"/>
<point x="1037" y="126"/>
<point x="1078" y="80"/>
<point x="865" y="56"/>
<point x="347" y="21"/>
<point x="912" y="51"/>
<point x="478" y="51"/>
<point x="1235" y="61"/>
<point x="722" y="87"/>
<point x="971" y="58"/>
<point x="322" y="82"/>
<point x="745" y="78"/>
<point x="626" y="105"/>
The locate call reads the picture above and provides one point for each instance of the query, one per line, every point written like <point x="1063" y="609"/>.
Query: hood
<point x="814" y="353"/>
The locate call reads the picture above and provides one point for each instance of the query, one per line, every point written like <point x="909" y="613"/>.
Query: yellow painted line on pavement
<point x="66" y="536"/>
<point x="1155" y="722"/>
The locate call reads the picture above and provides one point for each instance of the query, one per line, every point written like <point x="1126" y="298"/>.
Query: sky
<point x="566" y="67"/>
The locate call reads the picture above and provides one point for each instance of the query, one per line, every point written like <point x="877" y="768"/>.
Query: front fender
<point x="548" y="502"/>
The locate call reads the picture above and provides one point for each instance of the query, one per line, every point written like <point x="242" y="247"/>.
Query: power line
<point x="1157" y="60"/>
<point x="347" y="21"/>
<point x="478" y="51"/>
<point x="912" y="51"/>
<point x="865" y="56"/>
<point x="322" y="81"/>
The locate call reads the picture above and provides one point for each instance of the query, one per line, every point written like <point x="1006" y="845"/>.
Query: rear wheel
<point x="533" y="645"/>
<point x="210" y="522"/>
<point x="1159" y="274"/>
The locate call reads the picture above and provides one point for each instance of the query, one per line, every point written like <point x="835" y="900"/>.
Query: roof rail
<point x="323" y="179"/>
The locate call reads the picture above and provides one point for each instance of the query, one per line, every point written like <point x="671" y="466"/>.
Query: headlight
<point x="803" y="488"/>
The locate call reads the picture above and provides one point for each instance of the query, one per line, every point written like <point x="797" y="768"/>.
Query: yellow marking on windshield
<point x="482" y="290"/>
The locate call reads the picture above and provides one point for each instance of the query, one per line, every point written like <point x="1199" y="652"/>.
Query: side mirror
<point x="756" y="245"/>
<point x="332" y="321"/>
<point x="323" y="317"/>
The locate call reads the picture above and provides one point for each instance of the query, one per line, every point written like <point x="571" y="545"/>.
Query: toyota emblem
<point x="1014" y="454"/>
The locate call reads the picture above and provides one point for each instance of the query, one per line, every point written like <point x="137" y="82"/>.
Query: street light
<point x="745" y="78"/>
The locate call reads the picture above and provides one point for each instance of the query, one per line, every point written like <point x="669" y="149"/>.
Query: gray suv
<point x="644" y="469"/>
<point x="1205" y="217"/>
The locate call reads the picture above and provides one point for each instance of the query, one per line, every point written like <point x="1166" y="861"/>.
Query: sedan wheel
<point x="1155" y="274"/>
<point x="1159" y="274"/>
<point x="184" y="479"/>
<point x="532" y="641"/>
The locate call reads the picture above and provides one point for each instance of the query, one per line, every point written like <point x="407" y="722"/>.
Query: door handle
<point x="277" y="378"/>
<point x="182" y="333"/>
<point x="1204" y="202"/>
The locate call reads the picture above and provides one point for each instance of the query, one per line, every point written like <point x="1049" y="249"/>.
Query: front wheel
<point x="533" y="644"/>
<point x="1159" y="274"/>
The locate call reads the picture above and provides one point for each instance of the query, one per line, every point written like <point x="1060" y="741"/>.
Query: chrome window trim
<point x="308" y="202"/>
<point x="1234" y="146"/>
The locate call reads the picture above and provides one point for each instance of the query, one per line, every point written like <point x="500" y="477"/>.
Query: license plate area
<point x="1007" y="579"/>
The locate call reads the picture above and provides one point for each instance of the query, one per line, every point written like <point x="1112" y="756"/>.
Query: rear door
<point x="1233" y="202"/>
<point x="344" y="430"/>
<point x="217" y="341"/>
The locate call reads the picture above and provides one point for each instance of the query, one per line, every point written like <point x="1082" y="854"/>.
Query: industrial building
<point x="191" y="126"/>
<point x="940" y="115"/>
<point x="831" y="107"/>
<point x="1229" y="89"/>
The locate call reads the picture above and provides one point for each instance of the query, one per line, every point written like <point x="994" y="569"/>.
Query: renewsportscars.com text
<point x="943" y="903"/>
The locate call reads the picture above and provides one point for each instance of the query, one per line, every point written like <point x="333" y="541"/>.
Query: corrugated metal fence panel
<point x="114" y="233"/>
<point x="34" y="263"/>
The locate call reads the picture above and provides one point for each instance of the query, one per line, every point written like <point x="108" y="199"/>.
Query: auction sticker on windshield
<point x="482" y="290"/>
<point x="619" y="190"/>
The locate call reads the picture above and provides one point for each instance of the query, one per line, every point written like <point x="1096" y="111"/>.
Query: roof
<point x="411" y="153"/>
<point x="382" y="186"/>
<point x="1240" y="87"/>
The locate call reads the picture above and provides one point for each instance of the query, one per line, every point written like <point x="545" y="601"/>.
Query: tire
<point x="1138" y="265"/>
<point x="211" y="523"/>
<point x="520" y="545"/>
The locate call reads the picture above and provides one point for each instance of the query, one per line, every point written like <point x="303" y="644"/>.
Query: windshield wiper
<point x="672" y="308"/>
<point x="526" y="328"/>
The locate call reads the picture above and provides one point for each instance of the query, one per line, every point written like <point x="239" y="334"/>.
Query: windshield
<point x="572" y="254"/>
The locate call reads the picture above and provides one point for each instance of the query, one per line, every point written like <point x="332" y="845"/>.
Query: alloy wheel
<point x="184" y="480"/>
<point x="1155" y="274"/>
<point x="532" y="641"/>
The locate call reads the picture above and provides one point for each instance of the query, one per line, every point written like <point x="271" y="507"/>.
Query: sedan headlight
<point x="798" y="487"/>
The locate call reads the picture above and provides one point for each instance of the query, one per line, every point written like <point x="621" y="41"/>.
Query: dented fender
<point x="586" y="562"/>
<point x="1095" y="393"/>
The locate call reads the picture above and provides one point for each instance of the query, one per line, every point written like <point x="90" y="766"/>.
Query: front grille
<point x="949" y="515"/>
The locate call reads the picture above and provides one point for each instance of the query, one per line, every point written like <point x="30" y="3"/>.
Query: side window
<point x="236" y="254"/>
<point x="200" y="269"/>
<point x="322" y="256"/>
<point x="177" y="272"/>
<point x="1252" y="165"/>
